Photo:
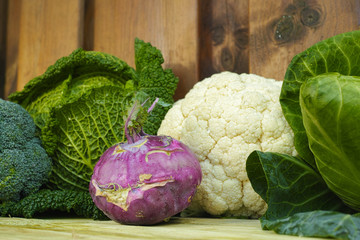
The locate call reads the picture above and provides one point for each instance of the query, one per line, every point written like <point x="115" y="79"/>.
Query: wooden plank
<point x="12" y="45"/>
<point x="169" y="25"/>
<point x="176" y="228"/>
<point x="3" y="23"/>
<point x="48" y="30"/>
<point x="89" y="9"/>
<point x="281" y="29"/>
<point x="224" y="36"/>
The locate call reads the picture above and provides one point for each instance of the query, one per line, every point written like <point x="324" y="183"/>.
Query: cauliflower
<point x="223" y="119"/>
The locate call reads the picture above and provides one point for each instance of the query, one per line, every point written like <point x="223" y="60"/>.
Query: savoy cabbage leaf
<point x="47" y="203"/>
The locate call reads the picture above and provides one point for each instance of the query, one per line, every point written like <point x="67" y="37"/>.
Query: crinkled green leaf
<point x="68" y="79"/>
<point x="154" y="81"/>
<point x="83" y="130"/>
<point x="46" y="202"/>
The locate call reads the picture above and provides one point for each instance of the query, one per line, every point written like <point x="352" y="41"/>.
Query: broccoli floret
<point x="25" y="165"/>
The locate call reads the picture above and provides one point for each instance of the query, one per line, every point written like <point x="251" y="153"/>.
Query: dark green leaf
<point x="292" y="188"/>
<point x="325" y="224"/>
<point x="289" y="185"/>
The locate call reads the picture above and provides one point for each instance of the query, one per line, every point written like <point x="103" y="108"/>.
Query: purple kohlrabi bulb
<point x="146" y="181"/>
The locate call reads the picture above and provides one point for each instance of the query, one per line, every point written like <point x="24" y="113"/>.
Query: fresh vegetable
<point x="146" y="179"/>
<point x="320" y="187"/>
<point x="25" y="166"/>
<point x="223" y="119"/>
<point x="78" y="104"/>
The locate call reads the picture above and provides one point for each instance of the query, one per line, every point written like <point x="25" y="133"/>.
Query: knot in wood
<point x="218" y="35"/>
<point x="310" y="17"/>
<point x="284" y="28"/>
<point x="227" y="60"/>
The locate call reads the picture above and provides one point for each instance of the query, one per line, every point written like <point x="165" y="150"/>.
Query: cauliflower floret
<point x="223" y="119"/>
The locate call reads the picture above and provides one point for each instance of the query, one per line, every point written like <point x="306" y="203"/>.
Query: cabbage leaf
<point x="325" y="224"/>
<point x="299" y="201"/>
<point x="289" y="185"/>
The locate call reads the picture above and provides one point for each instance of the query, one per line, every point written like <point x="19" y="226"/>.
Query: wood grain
<point x="281" y="29"/>
<point x="12" y="44"/>
<point x="3" y="24"/>
<point x="48" y="30"/>
<point x="197" y="38"/>
<point x="169" y="25"/>
<point x="89" y="9"/>
<point x="176" y="228"/>
<point x="224" y="36"/>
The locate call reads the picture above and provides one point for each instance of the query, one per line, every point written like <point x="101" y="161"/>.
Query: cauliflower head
<point x="223" y="119"/>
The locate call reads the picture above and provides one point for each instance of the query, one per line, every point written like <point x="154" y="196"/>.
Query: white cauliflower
<point x="223" y="119"/>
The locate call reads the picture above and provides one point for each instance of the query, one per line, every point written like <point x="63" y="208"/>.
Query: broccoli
<point x="25" y="165"/>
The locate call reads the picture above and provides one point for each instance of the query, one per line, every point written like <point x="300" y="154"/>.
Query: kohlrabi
<point x="146" y="179"/>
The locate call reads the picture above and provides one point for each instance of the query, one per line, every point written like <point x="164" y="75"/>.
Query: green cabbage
<point x="80" y="101"/>
<point x="320" y="101"/>
<point x="340" y="54"/>
<point x="318" y="191"/>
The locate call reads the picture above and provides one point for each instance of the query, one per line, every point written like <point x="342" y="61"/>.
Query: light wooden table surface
<point x="176" y="228"/>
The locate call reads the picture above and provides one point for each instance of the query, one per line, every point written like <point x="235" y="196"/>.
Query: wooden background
<point x="196" y="37"/>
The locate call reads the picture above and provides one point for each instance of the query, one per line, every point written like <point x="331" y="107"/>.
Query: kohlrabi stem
<point x="135" y="132"/>
<point x="153" y="105"/>
<point x="126" y="127"/>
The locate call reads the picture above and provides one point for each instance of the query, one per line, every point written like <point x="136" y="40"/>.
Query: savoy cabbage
<point x="80" y="101"/>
